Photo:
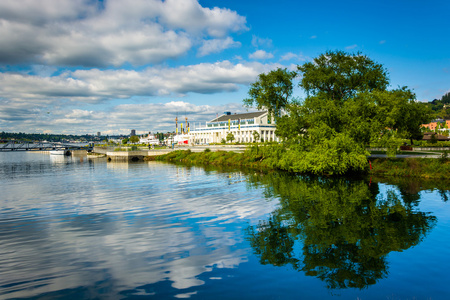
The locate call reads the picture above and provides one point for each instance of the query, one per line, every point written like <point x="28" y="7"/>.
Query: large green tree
<point x="272" y="91"/>
<point x="347" y="108"/>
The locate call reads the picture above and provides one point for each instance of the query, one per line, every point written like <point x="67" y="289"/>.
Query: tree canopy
<point x="347" y="108"/>
<point x="339" y="76"/>
<point x="134" y="139"/>
<point x="272" y="91"/>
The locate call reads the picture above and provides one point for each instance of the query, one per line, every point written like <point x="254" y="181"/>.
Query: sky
<point x="88" y="66"/>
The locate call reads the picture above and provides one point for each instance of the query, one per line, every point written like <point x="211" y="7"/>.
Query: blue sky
<point x="82" y="66"/>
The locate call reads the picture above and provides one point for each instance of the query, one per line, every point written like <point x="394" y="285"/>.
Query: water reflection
<point x="76" y="229"/>
<point x="338" y="230"/>
<point x="102" y="233"/>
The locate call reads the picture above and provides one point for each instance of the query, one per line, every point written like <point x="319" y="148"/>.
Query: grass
<point x="216" y="158"/>
<point x="411" y="167"/>
<point x="407" y="152"/>
<point x="399" y="167"/>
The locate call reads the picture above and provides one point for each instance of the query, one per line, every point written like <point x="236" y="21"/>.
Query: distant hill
<point x="45" y="137"/>
<point x="441" y="107"/>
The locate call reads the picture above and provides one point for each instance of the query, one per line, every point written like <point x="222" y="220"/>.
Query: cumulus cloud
<point x="94" y="85"/>
<point x="258" y="42"/>
<point x="293" y="56"/>
<point x="118" y="119"/>
<point x="114" y="32"/>
<point x="260" y="54"/>
<point x="217" y="45"/>
<point x="58" y="101"/>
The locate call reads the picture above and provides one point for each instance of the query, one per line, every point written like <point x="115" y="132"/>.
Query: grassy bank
<point x="402" y="167"/>
<point x="217" y="158"/>
<point x="411" y="167"/>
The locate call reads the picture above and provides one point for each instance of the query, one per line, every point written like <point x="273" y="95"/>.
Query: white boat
<point x="59" y="152"/>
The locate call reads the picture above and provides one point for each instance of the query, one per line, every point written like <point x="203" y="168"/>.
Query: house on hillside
<point x="242" y="126"/>
<point x="441" y="123"/>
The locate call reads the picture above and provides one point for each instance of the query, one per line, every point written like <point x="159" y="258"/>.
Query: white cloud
<point x="95" y="85"/>
<point x="58" y="102"/>
<point x="81" y="32"/>
<point x="264" y="42"/>
<point x="191" y="16"/>
<point x="351" y="47"/>
<point x="291" y="56"/>
<point x="118" y="119"/>
<point x="313" y="37"/>
<point x="260" y="54"/>
<point x="217" y="45"/>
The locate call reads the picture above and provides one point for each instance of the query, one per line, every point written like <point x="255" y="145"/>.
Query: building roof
<point x="439" y="137"/>
<point x="245" y="116"/>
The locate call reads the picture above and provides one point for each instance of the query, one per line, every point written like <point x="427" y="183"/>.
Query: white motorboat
<point x="59" y="152"/>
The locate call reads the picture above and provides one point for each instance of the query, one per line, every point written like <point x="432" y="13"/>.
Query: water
<point x="75" y="228"/>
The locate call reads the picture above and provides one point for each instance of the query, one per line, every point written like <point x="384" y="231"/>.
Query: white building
<point x="242" y="126"/>
<point x="150" y="140"/>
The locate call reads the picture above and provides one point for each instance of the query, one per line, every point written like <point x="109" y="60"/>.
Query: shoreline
<point x="412" y="167"/>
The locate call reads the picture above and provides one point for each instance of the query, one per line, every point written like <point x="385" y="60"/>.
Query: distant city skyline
<point x="109" y="66"/>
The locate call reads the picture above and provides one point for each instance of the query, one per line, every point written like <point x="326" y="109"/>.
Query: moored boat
<point x="60" y="152"/>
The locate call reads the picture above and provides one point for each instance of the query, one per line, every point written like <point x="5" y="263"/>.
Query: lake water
<point x="75" y="228"/>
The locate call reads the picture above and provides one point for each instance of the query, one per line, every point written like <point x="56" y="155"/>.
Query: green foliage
<point x="22" y="136"/>
<point x="348" y="107"/>
<point x="125" y="141"/>
<point x="134" y="139"/>
<point x="444" y="157"/>
<point x="438" y="144"/>
<point x="272" y="91"/>
<point x="255" y="136"/>
<point x="411" y="167"/>
<point x="446" y="98"/>
<point x="433" y="139"/>
<point x="134" y="148"/>
<point x="333" y="158"/>
<point x="230" y="137"/>
<point x="223" y="141"/>
<point x="340" y="76"/>
<point x="437" y="106"/>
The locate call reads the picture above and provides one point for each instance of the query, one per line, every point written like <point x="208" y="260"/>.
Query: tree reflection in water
<point x="346" y="228"/>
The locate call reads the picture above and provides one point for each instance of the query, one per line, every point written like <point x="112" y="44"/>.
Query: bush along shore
<point x="411" y="167"/>
<point x="268" y="159"/>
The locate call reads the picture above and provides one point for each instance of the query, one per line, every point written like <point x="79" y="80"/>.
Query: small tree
<point x="433" y="139"/>
<point x="230" y="137"/>
<point x="256" y="136"/>
<point x="134" y="139"/>
<point x="125" y="141"/>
